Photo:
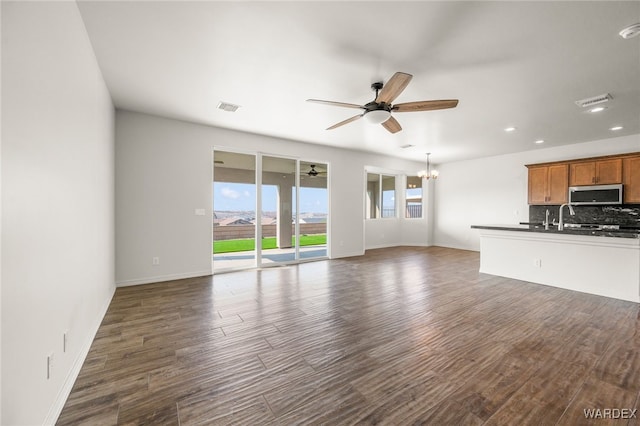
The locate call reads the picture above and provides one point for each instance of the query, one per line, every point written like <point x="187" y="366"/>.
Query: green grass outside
<point x="247" y="244"/>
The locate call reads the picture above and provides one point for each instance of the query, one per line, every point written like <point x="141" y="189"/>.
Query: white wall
<point x="163" y="173"/>
<point x="493" y="190"/>
<point x="57" y="205"/>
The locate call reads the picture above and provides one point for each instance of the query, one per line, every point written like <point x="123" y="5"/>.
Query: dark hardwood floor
<point x="399" y="336"/>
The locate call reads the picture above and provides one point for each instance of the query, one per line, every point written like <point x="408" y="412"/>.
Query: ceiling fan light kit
<point x="377" y="116"/>
<point x="379" y="111"/>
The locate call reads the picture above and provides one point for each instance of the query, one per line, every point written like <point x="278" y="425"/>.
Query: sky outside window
<point x="242" y="196"/>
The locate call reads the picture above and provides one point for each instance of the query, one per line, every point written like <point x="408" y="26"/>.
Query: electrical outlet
<point x="155" y="261"/>
<point x="49" y="365"/>
<point x="538" y="263"/>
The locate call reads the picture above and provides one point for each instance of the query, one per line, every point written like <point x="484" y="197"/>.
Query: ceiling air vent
<point x="584" y="103"/>
<point x="225" y="106"/>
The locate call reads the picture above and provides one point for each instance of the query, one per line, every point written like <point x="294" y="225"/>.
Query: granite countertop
<point x="553" y="229"/>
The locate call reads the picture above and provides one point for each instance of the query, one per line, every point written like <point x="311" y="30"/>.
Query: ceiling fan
<point x="379" y="110"/>
<point x="313" y="172"/>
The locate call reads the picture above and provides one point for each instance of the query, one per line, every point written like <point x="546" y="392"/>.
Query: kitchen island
<point x="603" y="262"/>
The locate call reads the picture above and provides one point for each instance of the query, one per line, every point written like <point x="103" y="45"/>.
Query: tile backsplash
<point x="623" y="214"/>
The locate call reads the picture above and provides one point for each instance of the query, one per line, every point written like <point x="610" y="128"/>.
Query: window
<point x="413" y="197"/>
<point x="373" y="196"/>
<point x="380" y="196"/>
<point x="388" y="196"/>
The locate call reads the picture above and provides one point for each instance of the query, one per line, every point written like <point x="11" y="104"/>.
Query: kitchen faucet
<point x="560" y="221"/>
<point x="546" y="220"/>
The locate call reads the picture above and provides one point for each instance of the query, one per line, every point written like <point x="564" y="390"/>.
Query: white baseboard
<point x="454" y="246"/>
<point x="72" y="375"/>
<point x="352" y="254"/>
<point x="161" y="278"/>
<point x="379" y="246"/>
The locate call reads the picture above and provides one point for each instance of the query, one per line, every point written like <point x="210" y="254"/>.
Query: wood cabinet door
<point x="538" y="181"/>
<point x="583" y="173"/>
<point x="631" y="180"/>
<point x="558" y="184"/>
<point x="609" y="171"/>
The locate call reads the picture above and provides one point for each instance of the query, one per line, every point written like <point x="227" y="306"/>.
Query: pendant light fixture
<point x="428" y="173"/>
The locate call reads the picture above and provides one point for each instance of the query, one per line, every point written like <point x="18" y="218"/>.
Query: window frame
<point x="377" y="204"/>
<point x="406" y="196"/>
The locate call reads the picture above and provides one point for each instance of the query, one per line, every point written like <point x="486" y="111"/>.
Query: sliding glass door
<point x="290" y="222"/>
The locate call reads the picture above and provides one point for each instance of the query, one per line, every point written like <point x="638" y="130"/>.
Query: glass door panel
<point x="313" y="210"/>
<point x="278" y="210"/>
<point x="234" y="212"/>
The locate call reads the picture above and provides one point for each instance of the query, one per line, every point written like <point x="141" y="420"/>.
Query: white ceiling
<point x="519" y="64"/>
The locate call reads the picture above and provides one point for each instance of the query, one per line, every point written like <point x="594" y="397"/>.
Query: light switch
<point x="200" y="212"/>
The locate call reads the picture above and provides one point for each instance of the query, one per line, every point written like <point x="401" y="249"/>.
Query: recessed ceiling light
<point x="597" y="109"/>
<point x="616" y="128"/>
<point x="630" y="31"/>
<point x="539" y="141"/>
<point x="509" y="129"/>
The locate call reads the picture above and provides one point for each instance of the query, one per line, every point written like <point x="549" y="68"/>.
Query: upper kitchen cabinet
<point x="631" y="179"/>
<point x="599" y="172"/>
<point x="548" y="184"/>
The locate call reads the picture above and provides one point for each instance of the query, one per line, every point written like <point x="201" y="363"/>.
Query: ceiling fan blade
<point x="394" y="87"/>
<point x="425" y="105"/>
<point x="340" y="104"/>
<point x="347" y="121"/>
<point x="392" y="125"/>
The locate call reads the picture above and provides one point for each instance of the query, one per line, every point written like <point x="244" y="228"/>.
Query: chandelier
<point x="428" y="173"/>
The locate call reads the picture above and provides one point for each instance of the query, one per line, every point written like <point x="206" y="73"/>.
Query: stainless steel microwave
<point x="595" y="194"/>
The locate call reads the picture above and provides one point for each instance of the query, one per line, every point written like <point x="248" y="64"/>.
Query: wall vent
<point x="225" y="106"/>
<point x="584" y="103"/>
